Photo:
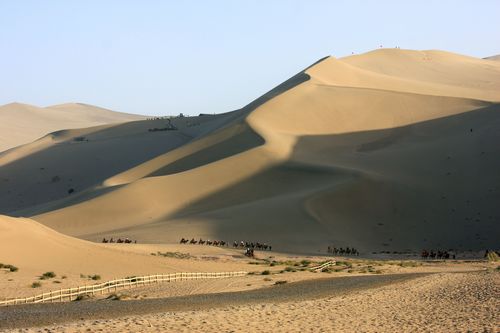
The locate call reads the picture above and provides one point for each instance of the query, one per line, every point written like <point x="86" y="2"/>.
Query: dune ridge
<point x="22" y="123"/>
<point x="392" y="149"/>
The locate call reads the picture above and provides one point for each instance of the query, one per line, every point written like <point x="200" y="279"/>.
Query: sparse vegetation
<point x="280" y="282"/>
<point x="267" y="279"/>
<point x="266" y="272"/>
<point x="177" y="255"/>
<point x="408" y="264"/>
<point x="47" y="275"/>
<point x="305" y="263"/>
<point x="9" y="267"/>
<point x="290" y="269"/>
<point x="492" y="256"/>
<point x="36" y="285"/>
<point x="95" y="277"/>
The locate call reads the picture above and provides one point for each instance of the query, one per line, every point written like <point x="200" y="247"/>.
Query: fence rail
<point x="325" y="265"/>
<point x="70" y="294"/>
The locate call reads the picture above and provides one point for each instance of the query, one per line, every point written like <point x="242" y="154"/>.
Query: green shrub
<point x="305" y="263"/>
<point x="290" y="269"/>
<point x="36" y="285"/>
<point x="266" y="272"/>
<point x="280" y="282"/>
<point x="95" y="277"/>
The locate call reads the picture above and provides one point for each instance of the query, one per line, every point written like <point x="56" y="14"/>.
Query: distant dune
<point x="494" y="58"/>
<point x="22" y="123"/>
<point x="388" y="150"/>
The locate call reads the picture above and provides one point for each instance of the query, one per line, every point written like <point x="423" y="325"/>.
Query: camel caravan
<point x="119" y="240"/>
<point x="341" y="251"/>
<point x="437" y="255"/>
<point x="236" y="244"/>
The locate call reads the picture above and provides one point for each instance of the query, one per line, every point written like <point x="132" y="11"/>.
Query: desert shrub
<point x="280" y="282"/>
<point x="305" y="263"/>
<point x="177" y="255"/>
<point x="95" y="277"/>
<point x="267" y="279"/>
<point x="83" y="297"/>
<point x="492" y="256"/>
<point x="63" y="277"/>
<point x="36" y="285"/>
<point x="408" y="264"/>
<point x="290" y="269"/>
<point x="47" y="275"/>
<point x="11" y="268"/>
<point x="56" y="281"/>
<point x="266" y="272"/>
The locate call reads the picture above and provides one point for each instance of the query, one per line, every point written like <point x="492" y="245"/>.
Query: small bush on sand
<point x="95" y="277"/>
<point x="47" y="275"/>
<point x="266" y="272"/>
<point x="83" y="297"/>
<point x="290" y="269"/>
<point x="280" y="282"/>
<point x="36" y="285"/>
<point x="408" y="264"/>
<point x="11" y="268"/>
<point x="305" y="263"/>
<point x="267" y="279"/>
<point x="492" y="256"/>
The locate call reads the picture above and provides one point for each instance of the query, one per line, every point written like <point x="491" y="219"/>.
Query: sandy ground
<point x="446" y="302"/>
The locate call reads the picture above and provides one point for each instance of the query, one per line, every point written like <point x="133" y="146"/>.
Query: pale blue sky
<point x="166" y="57"/>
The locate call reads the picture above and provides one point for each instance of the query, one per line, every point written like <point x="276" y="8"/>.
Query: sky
<point x="170" y="57"/>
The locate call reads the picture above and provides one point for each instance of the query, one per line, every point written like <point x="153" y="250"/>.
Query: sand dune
<point x="494" y="58"/>
<point x="22" y="123"/>
<point x="36" y="249"/>
<point x="389" y="150"/>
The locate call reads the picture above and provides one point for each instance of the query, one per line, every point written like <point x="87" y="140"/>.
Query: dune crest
<point x="23" y="123"/>
<point x="386" y="150"/>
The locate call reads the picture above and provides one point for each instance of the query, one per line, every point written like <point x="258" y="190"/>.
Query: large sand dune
<point x="389" y="150"/>
<point x="22" y="123"/>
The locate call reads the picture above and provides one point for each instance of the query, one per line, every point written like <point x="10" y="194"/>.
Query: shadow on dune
<point x="47" y="175"/>
<point x="429" y="184"/>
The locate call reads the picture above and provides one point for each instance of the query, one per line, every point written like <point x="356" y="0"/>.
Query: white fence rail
<point x="322" y="266"/>
<point x="70" y="294"/>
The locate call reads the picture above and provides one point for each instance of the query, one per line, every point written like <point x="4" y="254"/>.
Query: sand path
<point x="43" y="314"/>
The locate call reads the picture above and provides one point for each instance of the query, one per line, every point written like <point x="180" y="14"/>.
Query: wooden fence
<point x="325" y="265"/>
<point x="109" y="286"/>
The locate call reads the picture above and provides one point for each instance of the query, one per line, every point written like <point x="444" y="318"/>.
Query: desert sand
<point x="447" y="302"/>
<point x="389" y="150"/>
<point x="23" y="123"/>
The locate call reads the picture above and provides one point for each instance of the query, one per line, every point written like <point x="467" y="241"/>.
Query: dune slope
<point x="22" y="123"/>
<point x="390" y="150"/>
